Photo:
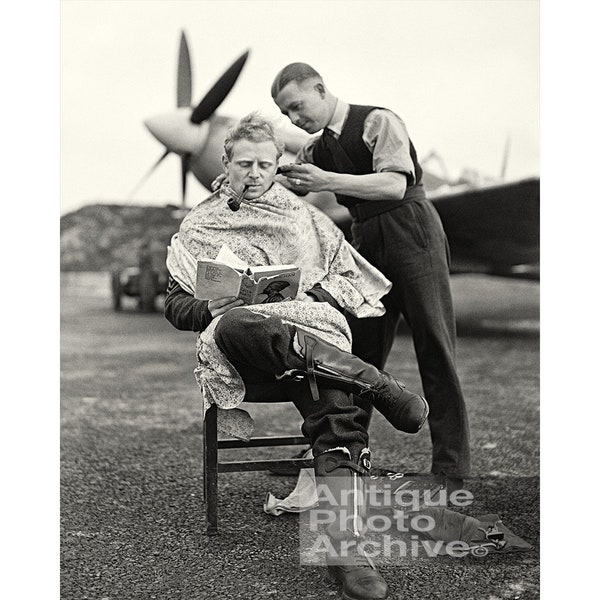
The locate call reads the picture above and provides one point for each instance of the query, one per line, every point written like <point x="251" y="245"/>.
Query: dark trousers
<point x="261" y="348"/>
<point x="408" y="245"/>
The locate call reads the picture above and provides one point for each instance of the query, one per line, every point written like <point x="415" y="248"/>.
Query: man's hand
<point x="222" y="305"/>
<point x="218" y="181"/>
<point x="306" y="177"/>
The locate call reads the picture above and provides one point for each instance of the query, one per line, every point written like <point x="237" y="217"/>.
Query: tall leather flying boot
<point x="332" y="367"/>
<point x="341" y="490"/>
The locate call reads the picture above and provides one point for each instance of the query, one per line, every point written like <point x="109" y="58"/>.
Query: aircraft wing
<point x="494" y="230"/>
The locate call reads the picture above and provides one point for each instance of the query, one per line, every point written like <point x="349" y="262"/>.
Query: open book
<point x="227" y="276"/>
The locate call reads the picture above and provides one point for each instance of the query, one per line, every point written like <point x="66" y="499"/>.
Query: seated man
<point x="297" y="350"/>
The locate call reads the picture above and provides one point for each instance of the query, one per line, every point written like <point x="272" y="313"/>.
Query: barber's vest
<point x="348" y="154"/>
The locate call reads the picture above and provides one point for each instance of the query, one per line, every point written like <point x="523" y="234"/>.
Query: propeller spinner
<point x="185" y="131"/>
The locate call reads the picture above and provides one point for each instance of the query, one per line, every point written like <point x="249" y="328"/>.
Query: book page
<point x="216" y="280"/>
<point x="268" y="270"/>
<point x="226" y="255"/>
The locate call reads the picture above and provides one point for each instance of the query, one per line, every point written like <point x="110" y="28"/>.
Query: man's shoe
<point x="404" y="409"/>
<point x="448" y="483"/>
<point x="359" y="578"/>
<point x="453" y="484"/>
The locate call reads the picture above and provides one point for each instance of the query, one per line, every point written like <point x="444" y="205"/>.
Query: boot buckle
<point x="293" y="374"/>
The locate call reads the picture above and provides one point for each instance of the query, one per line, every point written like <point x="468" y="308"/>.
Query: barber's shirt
<point x="384" y="134"/>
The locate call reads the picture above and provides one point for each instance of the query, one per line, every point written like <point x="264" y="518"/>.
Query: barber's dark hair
<point x="293" y="72"/>
<point x="255" y="128"/>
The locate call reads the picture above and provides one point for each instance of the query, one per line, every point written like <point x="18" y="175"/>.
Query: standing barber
<point x="365" y="157"/>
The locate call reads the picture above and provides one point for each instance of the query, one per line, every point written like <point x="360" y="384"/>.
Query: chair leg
<point x="210" y="469"/>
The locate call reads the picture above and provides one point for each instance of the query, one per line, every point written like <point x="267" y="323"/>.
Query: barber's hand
<point x="218" y="182"/>
<point x="222" y="305"/>
<point x="306" y="177"/>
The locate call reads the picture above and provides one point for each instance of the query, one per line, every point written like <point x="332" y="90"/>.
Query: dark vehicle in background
<point x="146" y="285"/>
<point x="143" y="282"/>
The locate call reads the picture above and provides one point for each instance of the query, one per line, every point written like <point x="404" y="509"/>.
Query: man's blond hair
<point x="255" y="128"/>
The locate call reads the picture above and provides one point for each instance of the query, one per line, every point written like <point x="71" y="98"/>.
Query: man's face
<point x="304" y="104"/>
<point x="253" y="164"/>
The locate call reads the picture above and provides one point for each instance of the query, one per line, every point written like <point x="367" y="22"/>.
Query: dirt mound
<point x="103" y="237"/>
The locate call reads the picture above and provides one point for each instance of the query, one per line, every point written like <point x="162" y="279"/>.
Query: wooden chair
<point x="212" y="465"/>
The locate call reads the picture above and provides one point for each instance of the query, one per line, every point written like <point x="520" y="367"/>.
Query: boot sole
<point x="425" y="415"/>
<point x="421" y="421"/>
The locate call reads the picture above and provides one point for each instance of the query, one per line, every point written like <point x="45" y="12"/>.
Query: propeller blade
<point x="185" y="167"/>
<point x="145" y="177"/>
<point x="184" y="75"/>
<point x="219" y="91"/>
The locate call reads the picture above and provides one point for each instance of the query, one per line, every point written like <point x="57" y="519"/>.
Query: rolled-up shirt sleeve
<point x="386" y="136"/>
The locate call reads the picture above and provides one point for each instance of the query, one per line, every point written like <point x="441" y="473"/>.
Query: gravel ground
<point x="132" y="517"/>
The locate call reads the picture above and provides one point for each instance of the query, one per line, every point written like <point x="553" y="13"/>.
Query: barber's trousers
<point x="261" y="348"/>
<point x="408" y="245"/>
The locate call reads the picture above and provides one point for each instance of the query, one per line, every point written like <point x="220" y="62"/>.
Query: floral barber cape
<point x="276" y="228"/>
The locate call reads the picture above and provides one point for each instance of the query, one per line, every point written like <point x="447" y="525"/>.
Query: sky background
<point x="464" y="76"/>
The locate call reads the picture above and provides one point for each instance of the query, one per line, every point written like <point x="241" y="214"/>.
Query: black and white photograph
<point x="298" y="300"/>
<point x="371" y="432"/>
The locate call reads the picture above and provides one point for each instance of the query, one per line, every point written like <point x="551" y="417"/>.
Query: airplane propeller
<point x="184" y="98"/>
<point x="184" y="74"/>
<point x="219" y="91"/>
<point x="183" y="132"/>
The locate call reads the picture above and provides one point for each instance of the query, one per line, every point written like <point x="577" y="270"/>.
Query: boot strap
<point x="310" y="367"/>
<point x="349" y="465"/>
<point x="330" y="367"/>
